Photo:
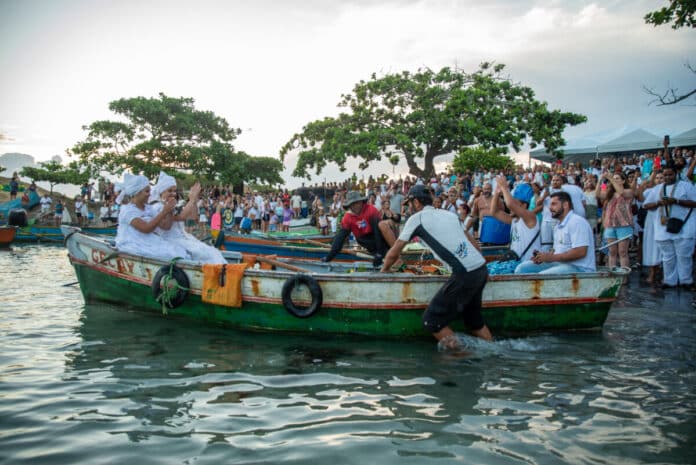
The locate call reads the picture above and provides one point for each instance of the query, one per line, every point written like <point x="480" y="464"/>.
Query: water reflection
<point x="92" y="384"/>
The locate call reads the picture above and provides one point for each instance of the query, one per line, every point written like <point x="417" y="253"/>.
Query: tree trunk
<point x="428" y="170"/>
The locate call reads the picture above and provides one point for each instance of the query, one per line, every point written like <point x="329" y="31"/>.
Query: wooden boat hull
<point x="7" y="235"/>
<point x="358" y="303"/>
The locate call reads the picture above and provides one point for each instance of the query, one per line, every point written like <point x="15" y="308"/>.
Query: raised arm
<point x="149" y="226"/>
<point x="191" y="208"/>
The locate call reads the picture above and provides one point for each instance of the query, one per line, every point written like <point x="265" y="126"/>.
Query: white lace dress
<point x="130" y="240"/>
<point x="195" y="249"/>
<point x="651" y="253"/>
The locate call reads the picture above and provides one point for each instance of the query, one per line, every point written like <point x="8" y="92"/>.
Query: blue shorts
<point x="621" y="232"/>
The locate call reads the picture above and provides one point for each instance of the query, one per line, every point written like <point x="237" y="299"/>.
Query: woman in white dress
<point x="137" y="222"/>
<point x="652" y="258"/>
<point x="172" y="227"/>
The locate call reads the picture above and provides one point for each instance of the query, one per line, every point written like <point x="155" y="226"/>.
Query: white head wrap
<point x="164" y="182"/>
<point x="134" y="183"/>
<point x="118" y="188"/>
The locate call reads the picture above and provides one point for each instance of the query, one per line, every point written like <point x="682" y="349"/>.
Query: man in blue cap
<point x="524" y="227"/>
<point x="461" y="295"/>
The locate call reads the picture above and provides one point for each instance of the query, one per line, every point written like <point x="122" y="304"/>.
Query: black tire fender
<point x="314" y="289"/>
<point x="182" y="280"/>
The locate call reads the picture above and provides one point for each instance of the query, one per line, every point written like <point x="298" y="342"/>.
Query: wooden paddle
<point x="272" y="261"/>
<point x="346" y="251"/>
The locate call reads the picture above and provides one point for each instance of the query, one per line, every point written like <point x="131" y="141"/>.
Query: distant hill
<point x="14" y="162"/>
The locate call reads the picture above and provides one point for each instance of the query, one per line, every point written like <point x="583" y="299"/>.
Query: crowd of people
<point x="563" y="218"/>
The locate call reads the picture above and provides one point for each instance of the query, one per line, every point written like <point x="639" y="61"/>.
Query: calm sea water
<point x="97" y="384"/>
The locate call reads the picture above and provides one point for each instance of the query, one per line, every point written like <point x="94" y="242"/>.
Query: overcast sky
<point x="270" y="67"/>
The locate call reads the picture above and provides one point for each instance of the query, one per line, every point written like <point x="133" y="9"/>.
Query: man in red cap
<point x="363" y="220"/>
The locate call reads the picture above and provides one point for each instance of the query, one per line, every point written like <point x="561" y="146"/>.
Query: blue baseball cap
<point x="523" y="193"/>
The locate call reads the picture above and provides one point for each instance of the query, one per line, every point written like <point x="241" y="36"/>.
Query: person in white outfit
<point x="137" y="222"/>
<point x="525" y="229"/>
<point x="674" y="199"/>
<point x="652" y="258"/>
<point x="172" y="228"/>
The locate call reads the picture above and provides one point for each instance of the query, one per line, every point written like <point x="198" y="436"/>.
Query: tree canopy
<point x="680" y="13"/>
<point x="420" y="116"/>
<point x="170" y="134"/>
<point x="471" y="159"/>
<point x="55" y="173"/>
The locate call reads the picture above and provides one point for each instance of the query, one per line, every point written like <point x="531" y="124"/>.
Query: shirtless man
<point x="482" y="207"/>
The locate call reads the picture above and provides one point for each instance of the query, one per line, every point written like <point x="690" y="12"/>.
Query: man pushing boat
<point x="461" y="295"/>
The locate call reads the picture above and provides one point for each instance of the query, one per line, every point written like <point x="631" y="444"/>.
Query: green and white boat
<point x="317" y="297"/>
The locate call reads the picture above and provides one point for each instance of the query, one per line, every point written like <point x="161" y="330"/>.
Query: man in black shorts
<point x="461" y="294"/>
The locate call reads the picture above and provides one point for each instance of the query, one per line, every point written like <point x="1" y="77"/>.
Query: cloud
<point x="275" y="66"/>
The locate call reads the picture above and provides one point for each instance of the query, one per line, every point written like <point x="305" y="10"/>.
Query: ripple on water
<point x="96" y="384"/>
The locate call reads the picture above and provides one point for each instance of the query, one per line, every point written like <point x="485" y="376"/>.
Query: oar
<point x="613" y="243"/>
<point x="271" y="261"/>
<point x="346" y="251"/>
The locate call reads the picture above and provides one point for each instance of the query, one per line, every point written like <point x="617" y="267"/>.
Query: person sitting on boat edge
<point x="366" y="224"/>
<point x="573" y="242"/>
<point x="524" y="225"/>
<point x="523" y="239"/>
<point x="137" y="222"/>
<point x="172" y="228"/>
<point x="461" y="295"/>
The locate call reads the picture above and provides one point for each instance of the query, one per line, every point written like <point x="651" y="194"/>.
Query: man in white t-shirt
<point x="45" y="204"/>
<point x="573" y="243"/>
<point x="461" y="295"/>
<point x="296" y="203"/>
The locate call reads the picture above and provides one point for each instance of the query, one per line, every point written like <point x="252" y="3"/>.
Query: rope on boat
<point x="170" y="287"/>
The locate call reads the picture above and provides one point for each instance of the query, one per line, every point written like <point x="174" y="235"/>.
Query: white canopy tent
<point x="685" y="139"/>
<point x="635" y="141"/>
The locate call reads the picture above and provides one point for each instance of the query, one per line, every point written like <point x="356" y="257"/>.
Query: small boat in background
<point x="53" y="234"/>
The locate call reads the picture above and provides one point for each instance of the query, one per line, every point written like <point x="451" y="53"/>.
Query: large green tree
<point x="55" y="173"/>
<point x="420" y="116"/>
<point x="170" y="134"/>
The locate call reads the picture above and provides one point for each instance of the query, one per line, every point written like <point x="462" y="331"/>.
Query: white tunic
<point x="130" y="240"/>
<point x="651" y="253"/>
<point x="196" y="250"/>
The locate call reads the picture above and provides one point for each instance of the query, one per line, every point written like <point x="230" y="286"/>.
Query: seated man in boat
<point x="366" y="224"/>
<point x="573" y="242"/>
<point x="460" y="296"/>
